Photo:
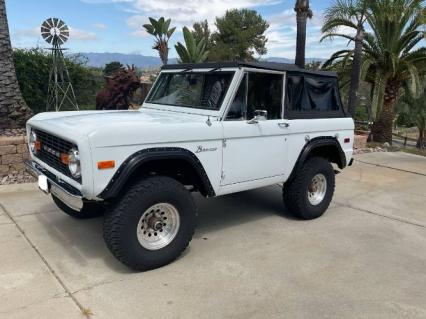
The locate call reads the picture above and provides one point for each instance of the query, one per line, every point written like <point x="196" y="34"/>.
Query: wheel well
<point x="330" y="152"/>
<point x="181" y="170"/>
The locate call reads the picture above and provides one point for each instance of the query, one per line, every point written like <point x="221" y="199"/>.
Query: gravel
<point x="17" y="178"/>
<point x="370" y="150"/>
<point x="12" y="132"/>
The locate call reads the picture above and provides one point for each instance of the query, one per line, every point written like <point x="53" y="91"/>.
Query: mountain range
<point x="149" y="62"/>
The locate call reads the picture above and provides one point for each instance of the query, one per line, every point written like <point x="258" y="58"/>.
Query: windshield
<point x="191" y="89"/>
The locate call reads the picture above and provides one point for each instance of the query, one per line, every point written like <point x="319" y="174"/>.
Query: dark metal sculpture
<point x="119" y="90"/>
<point x="60" y="91"/>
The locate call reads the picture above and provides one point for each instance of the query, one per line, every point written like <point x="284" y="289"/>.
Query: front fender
<point x="136" y="160"/>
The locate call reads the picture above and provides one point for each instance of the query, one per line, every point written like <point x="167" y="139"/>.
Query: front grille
<point x="51" y="149"/>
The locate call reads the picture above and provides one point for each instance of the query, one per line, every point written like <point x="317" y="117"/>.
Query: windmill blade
<point x="51" y="22"/>
<point x="54" y="30"/>
<point x="45" y="29"/>
<point x="46" y="25"/>
<point x="61" y="24"/>
<point x="55" y="22"/>
<point x="63" y="39"/>
<point x="45" y="35"/>
<point x="49" y="38"/>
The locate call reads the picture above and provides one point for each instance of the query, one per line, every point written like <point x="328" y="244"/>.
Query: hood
<point x="119" y="127"/>
<point x="88" y="121"/>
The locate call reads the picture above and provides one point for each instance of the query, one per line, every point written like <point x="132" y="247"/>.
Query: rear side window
<point x="258" y="92"/>
<point x="310" y="96"/>
<point x="265" y="93"/>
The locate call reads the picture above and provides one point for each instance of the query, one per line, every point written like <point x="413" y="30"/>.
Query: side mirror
<point x="259" y="115"/>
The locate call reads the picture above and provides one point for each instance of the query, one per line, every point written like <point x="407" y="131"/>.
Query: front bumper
<point x="68" y="194"/>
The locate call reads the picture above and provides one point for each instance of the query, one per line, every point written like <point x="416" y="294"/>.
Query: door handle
<point x="284" y="125"/>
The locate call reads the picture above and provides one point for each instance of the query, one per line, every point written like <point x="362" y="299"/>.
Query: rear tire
<point x="309" y="193"/>
<point x="158" y="207"/>
<point x="89" y="210"/>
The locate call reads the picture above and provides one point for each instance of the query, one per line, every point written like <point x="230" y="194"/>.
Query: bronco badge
<point x="201" y="149"/>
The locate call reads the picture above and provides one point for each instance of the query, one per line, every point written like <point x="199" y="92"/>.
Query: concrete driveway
<point x="366" y="258"/>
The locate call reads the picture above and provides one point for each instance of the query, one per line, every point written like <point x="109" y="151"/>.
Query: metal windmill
<point x="60" y="91"/>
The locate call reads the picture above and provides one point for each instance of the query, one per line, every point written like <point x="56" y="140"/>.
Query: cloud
<point x="282" y="36"/>
<point x="104" y="1"/>
<point x="281" y="33"/>
<point x="182" y="12"/>
<point x="34" y="33"/>
<point x="100" y="26"/>
<point x="27" y="33"/>
<point x="82" y="35"/>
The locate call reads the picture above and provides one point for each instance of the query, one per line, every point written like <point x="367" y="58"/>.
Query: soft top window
<point x="312" y="96"/>
<point x="191" y="89"/>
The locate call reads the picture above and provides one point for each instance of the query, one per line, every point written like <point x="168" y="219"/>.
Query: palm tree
<point x="14" y="112"/>
<point x="160" y="30"/>
<point x="303" y="12"/>
<point x="351" y="14"/>
<point x="393" y="56"/>
<point x="415" y="108"/>
<point x="192" y="52"/>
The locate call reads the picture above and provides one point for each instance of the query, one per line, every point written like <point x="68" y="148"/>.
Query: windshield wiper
<point x="184" y="71"/>
<point x="214" y="70"/>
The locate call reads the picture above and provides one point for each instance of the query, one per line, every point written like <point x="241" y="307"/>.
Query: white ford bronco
<point x="213" y="128"/>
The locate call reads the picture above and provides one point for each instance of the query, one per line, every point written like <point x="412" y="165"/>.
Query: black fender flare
<point x="136" y="160"/>
<point x="315" y="143"/>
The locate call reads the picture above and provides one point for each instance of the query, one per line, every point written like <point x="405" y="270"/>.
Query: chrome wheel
<point x="158" y="226"/>
<point x="317" y="189"/>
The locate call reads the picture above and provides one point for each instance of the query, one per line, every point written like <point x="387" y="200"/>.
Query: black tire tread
<point x="294" y="192"/>
<point x="113" y="221"/>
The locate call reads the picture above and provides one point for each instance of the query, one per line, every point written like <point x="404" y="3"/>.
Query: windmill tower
<point x="60" y="91"/>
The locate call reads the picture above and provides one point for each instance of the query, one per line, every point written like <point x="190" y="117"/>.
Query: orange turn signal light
<point x="65" y="158"/>
<point x="37" y="145"/>
<point x="106" y="164"/>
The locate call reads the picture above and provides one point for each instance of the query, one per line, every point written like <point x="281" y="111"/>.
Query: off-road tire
<point x="121" y="222"/>
<point x="295" y="192"/>
<point x="89" y="210"/>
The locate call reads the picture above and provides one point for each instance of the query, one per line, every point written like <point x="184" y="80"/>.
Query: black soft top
<point x="256" y="65"/>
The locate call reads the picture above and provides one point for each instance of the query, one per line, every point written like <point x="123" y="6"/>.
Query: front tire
<point x="151" y="224"/>
<point x="309" y="193"/>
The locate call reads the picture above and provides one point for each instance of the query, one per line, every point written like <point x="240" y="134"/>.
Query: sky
<point x="116" y="25"/>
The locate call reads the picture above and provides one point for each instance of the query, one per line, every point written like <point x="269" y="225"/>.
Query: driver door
<point x="255" y="148"/>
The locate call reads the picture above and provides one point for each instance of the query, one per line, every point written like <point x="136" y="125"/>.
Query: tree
<point x="32" y="70"/>
<point x="239" y="35"/>
<point x="314" y="65"/>
<point x="351" y="14"/>
<point x="112" y="67"/>
<point x="193" y="51"/>
<point x="14" y="112"/>
<point x="202" y="31"/>
<point x="392" y="56"/>
<point x="160" y="29"/>
<point x="414" y="109"/>
<point x="303" y="12"/>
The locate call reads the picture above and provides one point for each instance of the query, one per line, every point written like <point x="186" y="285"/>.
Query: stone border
<point x="13" y="152"/>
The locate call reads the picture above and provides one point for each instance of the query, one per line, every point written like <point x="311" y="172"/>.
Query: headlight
<point x="74" y="163"/>
<point x="32" y="142"/>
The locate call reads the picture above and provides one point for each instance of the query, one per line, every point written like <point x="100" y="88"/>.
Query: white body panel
<point x="239" y="156"/>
